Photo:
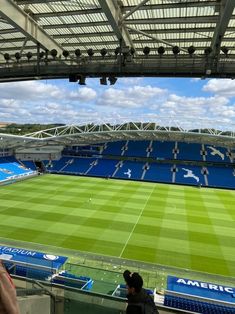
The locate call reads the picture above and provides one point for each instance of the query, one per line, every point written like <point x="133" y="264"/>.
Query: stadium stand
<point x="189" y="175"/>
<point x="114" y="148"/>
<point x="197" y="306"/>
<point x="70" y="165"/>
<point x="162" y="150"/>
<point x="11" y="169"/>
<point x="159" y="173"/>
<point x="155" y="161"/>
<point x="30" y="164"/>
<point x="42" y="267"/>
<point x="216" y="154"/>
<point x="189" y="151"/>
<point x="221" y="177"/>
<point x="130" y="170"/>
<point x="104" y="168"/>
<point x="137" y="149"/>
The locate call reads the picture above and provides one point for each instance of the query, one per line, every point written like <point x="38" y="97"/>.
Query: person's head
<point x="133" y="281"/>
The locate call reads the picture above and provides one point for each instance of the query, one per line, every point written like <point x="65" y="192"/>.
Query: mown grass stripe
<point x="56" y="210"/>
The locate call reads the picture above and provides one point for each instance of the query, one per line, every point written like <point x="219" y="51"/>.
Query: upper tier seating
<point x="216" y="154"/>
<point x="137" y="149"/>
<point x="162" y="150"/>
<point x="114" y="148"/>
<point x="189" y="151"/>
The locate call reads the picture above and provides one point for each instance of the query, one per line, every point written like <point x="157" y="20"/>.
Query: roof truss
<point x="71" y="24"/>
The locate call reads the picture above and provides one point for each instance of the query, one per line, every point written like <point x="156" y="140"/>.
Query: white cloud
<point x="224" y="87"/>
<point x="30" y="91"/>
<point x="132" y="97"/>
<point x="84" y="94"/>
<point x="63" y="102"/>
<point x="130" y="80"/>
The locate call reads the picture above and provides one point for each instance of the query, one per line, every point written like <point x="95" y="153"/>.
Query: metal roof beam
<point x="226" y="11"/>
<point x="134" y="9"/>
<point x="156" y="21"/>
<point x="25" y="24"/>
<point x="155" y="38"/>
<point x="147" y="7"/>
<point x="191" y="40"/>
<point x="38" y="1"/>
<point x="162" y="6"/>
<point x="198" y="31"/>
<point x="125" y="9"/>
<point x="114" y="15"/>
<point x="68" y="13"/>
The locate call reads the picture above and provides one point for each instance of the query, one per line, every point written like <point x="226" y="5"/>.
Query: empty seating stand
<point x="70" y="280"/>
<point x="162" y="150"/>
<point x="104" y="168"/>
<point x="189" y="151"/>
<point x="216" y="154"/>
<point x="11" y="169"/>
<point x="156" y="161"/>
<point x="189" y="175"/>
<point x="159" y="173"/>
<point x="198" y="306"/>
<point x="114" y="148"/>
<point x="221" y="177"/>
<point x="130" y="170"/>
<point x="137" y="149"/>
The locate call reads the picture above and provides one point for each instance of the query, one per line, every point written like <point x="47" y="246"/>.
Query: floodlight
<point x="146" y="51"/>
<point x="112" y="80"/>
<point x="225" y="50"/>
<point x="29" y="55"/>
<point x="82" y="80"/>
<point x="161" y="50"/>
<point x="176" y="50"/>
<point x="191" y="50"/>
<point x="73" y="78"/>
<point x="65" y="53"/>
<point x="208" y="51"/>
<point x="7" y="57"/>
<point x="90" y="52"/>
<point x="77" y="53"/>
<point x="54" y="53"/>
<point x="132" y="51"/>
<point x="103" y="80"/>
<point x="17" y="56"/>
<point x="117" y="51"/>
<point x="41" y="54"/>
<point x="103" y="52"/>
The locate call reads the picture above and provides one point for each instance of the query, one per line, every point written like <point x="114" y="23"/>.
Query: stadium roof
<point x="95" y="134"/>
<point x="29" y="28"/>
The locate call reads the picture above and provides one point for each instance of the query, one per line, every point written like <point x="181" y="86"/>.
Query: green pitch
<point x="166" y="224"/>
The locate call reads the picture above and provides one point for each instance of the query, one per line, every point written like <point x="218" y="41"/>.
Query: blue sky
<point x="189" y="103"/>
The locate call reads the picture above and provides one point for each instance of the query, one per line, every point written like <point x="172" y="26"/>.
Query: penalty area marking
<point x="136" y="223"/>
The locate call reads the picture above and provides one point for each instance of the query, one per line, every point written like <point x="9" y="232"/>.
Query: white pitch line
<point x="136" y="222"/>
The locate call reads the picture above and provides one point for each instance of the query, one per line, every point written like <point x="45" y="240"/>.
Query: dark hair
<point x="133" y="280"/>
